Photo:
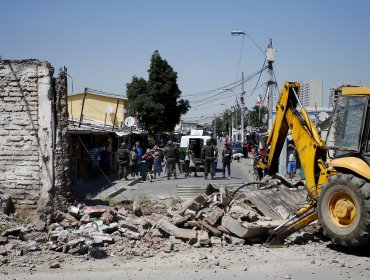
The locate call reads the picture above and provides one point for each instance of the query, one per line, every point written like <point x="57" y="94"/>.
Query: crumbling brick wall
<point x="28" y="136"/>
<point x="62" y="192"/>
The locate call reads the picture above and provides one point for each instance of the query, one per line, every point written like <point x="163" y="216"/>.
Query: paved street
<point x="163" y="189"/>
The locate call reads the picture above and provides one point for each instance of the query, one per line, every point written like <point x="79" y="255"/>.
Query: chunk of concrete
<point x="215" y="241"/>
<point x="214" y="215"/>
<point x="203" y="238"/>
<point x="236" y="240"/>
<point x="234" y="226"/>
<point x="186" y="234"/>
<point x="196" y="203"/>
<point x="225" y="196"/>
<point x="137" y="209"/>
<point x="243" y="212"/>
<point x="125" y="232"/>
<point x="255" y="230"/>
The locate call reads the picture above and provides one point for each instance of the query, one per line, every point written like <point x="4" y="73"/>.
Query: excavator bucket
<point x="274" y="242"/>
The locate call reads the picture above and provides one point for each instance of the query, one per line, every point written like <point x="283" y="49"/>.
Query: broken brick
<point x="214" y="215"/>
<point x="129" y="225"/>
<point x="203" y="238"/>
<point x="195" y="204"/>
<point x="215" y="241"/>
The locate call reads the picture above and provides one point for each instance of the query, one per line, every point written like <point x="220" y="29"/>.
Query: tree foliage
<point x="253" y="117"/>
<point x="157" y="102"/>
<point x="256" y="114"/>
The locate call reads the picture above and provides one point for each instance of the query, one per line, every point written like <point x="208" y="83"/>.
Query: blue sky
<point x="105" y="43"/>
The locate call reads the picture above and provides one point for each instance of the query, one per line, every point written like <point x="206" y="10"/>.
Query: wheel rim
<point x="342" y="209"/>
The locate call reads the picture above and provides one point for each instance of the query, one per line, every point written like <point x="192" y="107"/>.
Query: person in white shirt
<point x="292" y="161"/>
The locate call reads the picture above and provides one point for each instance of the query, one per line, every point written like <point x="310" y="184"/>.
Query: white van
<point x="196" y="144"/>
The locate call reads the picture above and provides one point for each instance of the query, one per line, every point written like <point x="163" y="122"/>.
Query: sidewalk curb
<point x="117" y="189"/>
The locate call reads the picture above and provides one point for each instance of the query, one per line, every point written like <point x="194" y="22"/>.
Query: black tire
<point x="354" y="229"/>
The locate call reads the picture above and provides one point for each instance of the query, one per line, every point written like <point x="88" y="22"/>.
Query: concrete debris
<point x="216" y="241"/>
<point x="234" y="226"/>
<point x="213" y="218"/>
<point x="214" y="215"/>
<point x="137" y="209"/>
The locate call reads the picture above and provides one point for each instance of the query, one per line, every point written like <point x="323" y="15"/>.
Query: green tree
<point x="223" y="123"/>
<point x="255" y="116"/>
<point x="157" y="102"/>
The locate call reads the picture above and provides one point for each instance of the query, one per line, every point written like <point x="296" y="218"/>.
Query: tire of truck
<point x="344" y="210"/>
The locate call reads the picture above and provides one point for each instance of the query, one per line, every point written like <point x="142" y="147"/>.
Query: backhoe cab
<point x="337" y="172"/>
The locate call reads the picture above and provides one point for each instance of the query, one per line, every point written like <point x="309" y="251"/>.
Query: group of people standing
<point x="128" y="161"/>
<point x="157" y="159"/>
<point x="210" y="157"/>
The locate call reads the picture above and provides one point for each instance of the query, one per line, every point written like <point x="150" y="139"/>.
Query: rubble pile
<point x="213" y="218"/>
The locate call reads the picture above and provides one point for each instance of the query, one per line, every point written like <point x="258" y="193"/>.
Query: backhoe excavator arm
<point x="311" y="152"/>
<point x="310" y="147"/>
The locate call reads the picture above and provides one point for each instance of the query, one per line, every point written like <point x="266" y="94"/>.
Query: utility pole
<point x="242" y="109"/>
<point x="215" y="127"/>
<point x="232" y="123"/>
<point x="270" y="57"/>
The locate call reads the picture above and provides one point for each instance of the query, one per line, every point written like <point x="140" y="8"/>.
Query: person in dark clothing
<point x="158" y="159"/>
<point x="208" y="155"/>
<point x="123" y="161"/>
<point x="226" y="160"/>
<point x="133" y="163"/>
<point x="139" y="151"/>
<point x="170" y="155"/>
<point x="149" y="159"/>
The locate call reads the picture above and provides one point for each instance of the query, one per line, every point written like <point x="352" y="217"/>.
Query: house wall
<point x="96" y="107"/>
<point x="27" y="135"/>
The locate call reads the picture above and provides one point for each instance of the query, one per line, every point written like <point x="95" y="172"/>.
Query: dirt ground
<point x="308" y="257"/>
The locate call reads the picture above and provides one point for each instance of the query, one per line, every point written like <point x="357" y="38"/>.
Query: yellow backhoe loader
<point x="337" y="171"/>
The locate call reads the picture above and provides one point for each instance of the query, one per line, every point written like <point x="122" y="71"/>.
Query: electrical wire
<point x="259" y="77"/>
<point x="240" y="58"/>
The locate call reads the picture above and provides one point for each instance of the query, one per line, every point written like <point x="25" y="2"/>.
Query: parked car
<point x="236" y="147"/>
<point x="237" y="150"/>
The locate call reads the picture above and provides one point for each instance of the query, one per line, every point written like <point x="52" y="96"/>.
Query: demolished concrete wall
<point x="28" y="128"/>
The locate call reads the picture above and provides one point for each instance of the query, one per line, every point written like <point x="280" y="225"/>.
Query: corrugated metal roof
<point x="102" y="93"/>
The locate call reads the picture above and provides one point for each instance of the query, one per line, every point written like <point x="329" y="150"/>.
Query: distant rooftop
<point x="101" y="93"/>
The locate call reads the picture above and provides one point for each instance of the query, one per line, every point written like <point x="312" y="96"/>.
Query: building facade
<point x="99" y="107"/>
<point x="336" y="91"/>
<point x="311" y="93"/>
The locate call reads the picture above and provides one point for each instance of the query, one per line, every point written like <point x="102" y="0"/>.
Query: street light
<point x="238" y="32"/>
